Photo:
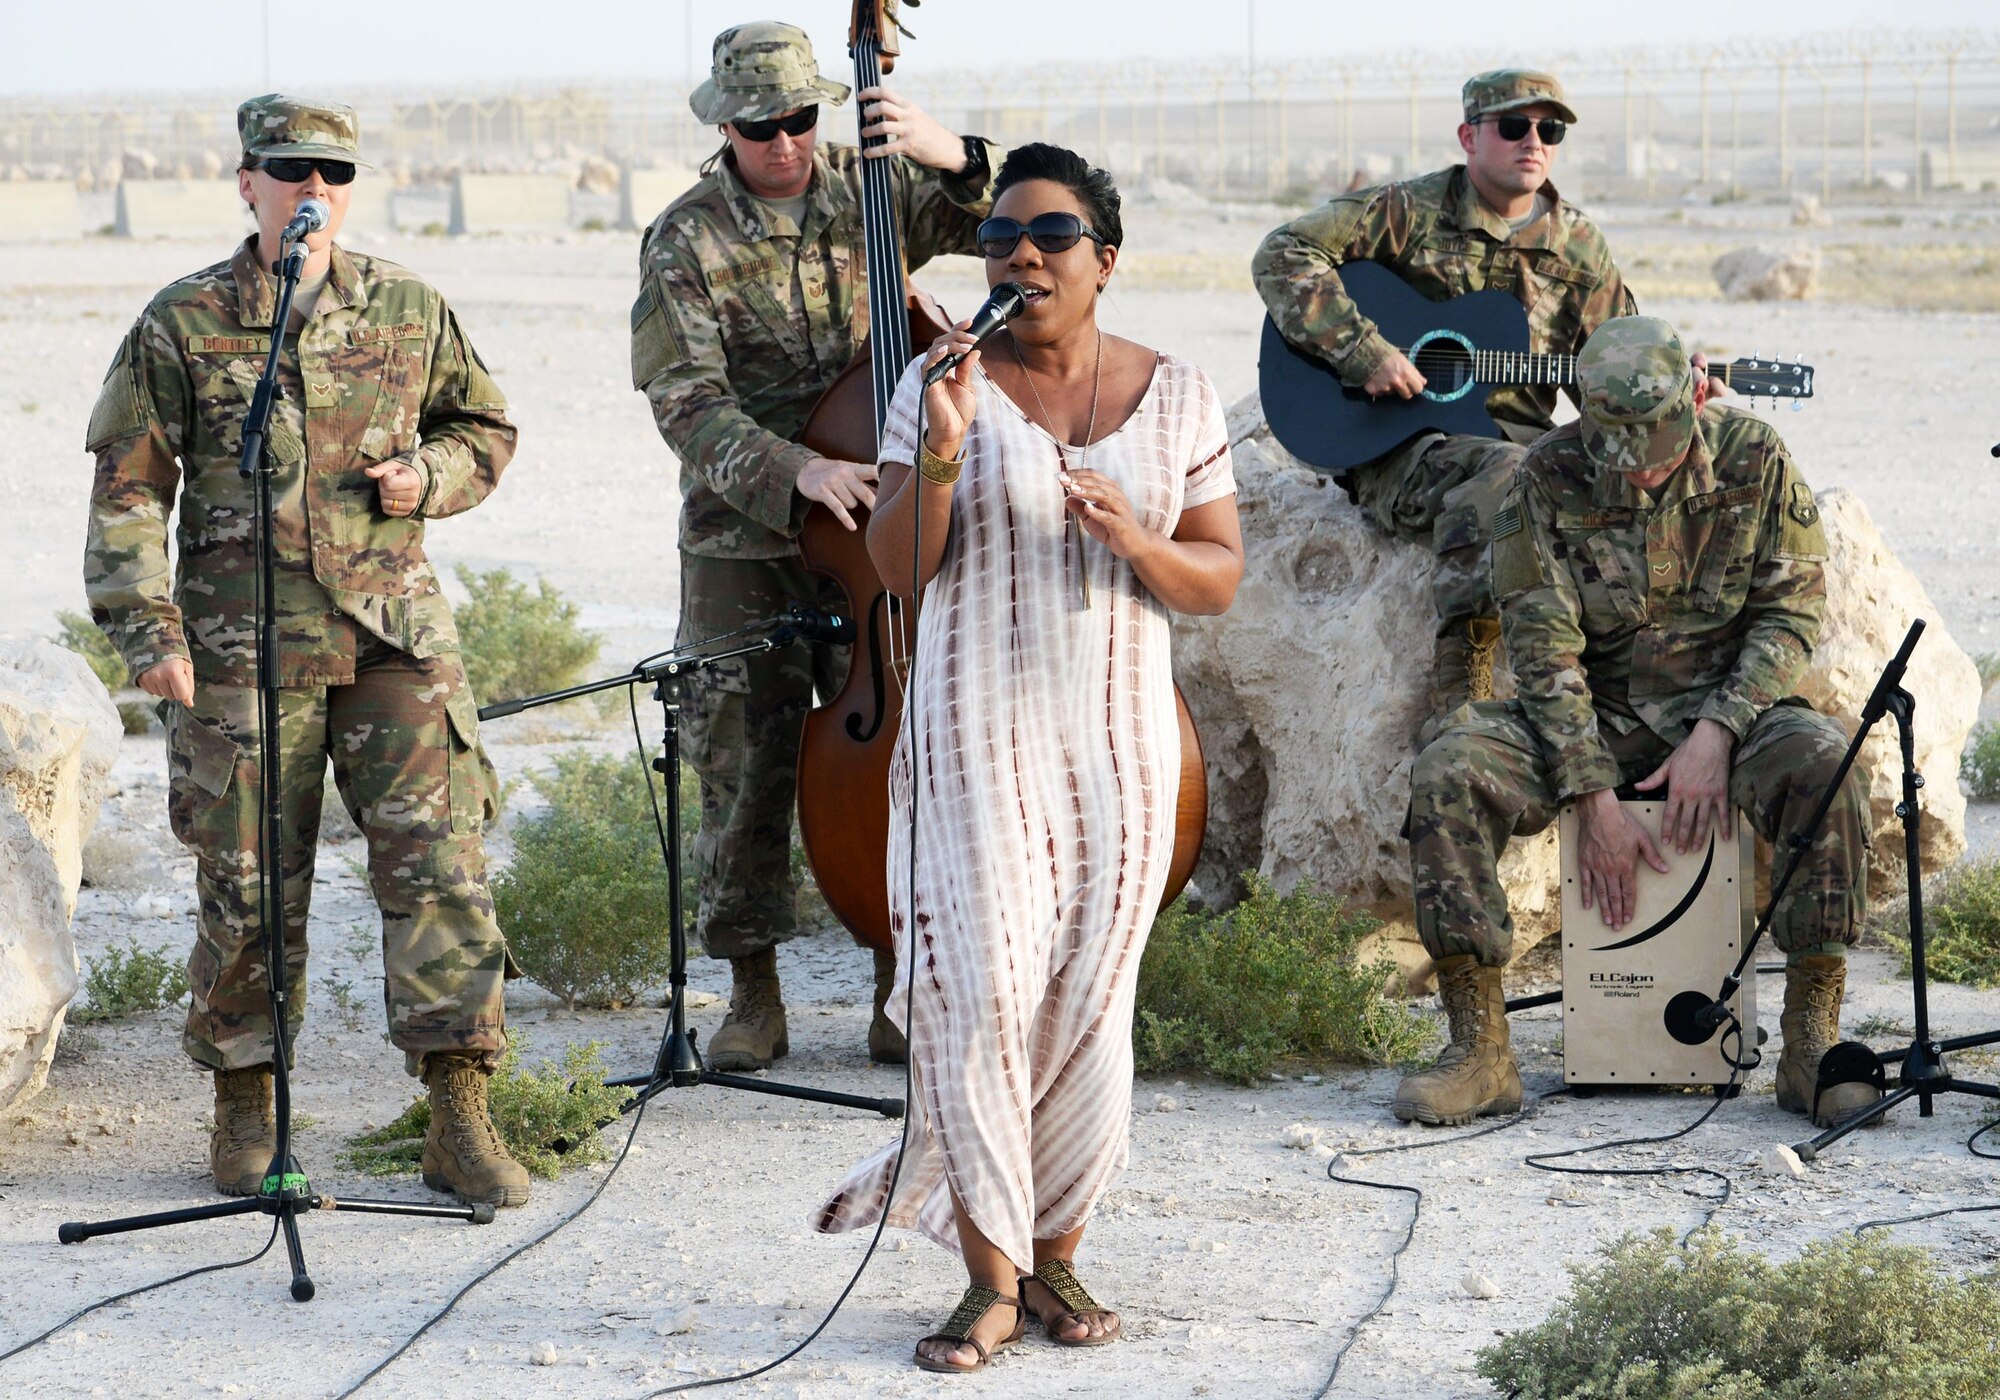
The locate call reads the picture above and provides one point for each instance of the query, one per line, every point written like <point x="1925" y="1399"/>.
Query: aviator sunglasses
<point x="797" y="124"/>
<point x="1052" y="233"/>
<point x="1512" y="128"/>
<point x="296" y="170"/>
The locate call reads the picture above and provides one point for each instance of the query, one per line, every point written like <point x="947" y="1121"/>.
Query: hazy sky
<point x="148" y="45"/>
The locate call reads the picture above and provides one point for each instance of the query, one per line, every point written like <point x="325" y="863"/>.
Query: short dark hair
<point x="1092" y="186"/>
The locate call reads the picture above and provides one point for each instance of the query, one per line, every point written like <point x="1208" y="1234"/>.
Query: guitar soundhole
<point x="1444" y="359"/>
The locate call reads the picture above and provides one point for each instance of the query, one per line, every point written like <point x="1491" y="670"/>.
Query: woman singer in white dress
<point x="1075" y="488"/>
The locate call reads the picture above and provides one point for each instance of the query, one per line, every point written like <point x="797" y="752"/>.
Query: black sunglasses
<point x="1052" y="233"/>
<point x="797" y="124"/>
<point x="1512" y="128"/>
<point x="296" y="170"/>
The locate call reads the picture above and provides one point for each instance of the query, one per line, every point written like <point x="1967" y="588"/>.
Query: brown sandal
<point x="957" y="1330"/>
<point x="1078" y="1306"/>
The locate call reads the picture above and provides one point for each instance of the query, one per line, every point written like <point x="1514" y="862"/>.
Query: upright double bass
<point x="844" y="750"/>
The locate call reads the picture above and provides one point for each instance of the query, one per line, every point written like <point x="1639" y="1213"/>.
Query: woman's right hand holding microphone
<point x="950" y="403"/>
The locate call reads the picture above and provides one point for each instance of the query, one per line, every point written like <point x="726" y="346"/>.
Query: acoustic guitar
<point x="1465" y="348"/>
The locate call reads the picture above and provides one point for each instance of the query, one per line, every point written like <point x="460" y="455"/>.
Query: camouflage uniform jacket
<point x="744" y="317"/>
<point x="1438" y="235"/>
<point x="1703" y="602"/>
<point x="380" y="370"/>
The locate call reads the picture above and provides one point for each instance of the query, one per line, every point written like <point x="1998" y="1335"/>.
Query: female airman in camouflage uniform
<point x="388" y="418"/>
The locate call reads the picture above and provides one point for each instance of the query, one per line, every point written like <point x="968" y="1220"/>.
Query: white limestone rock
<point x="59" y="735"/>
<point x="1308" y="695"/>
<point x="1871" y="599"/>
<point x="1768" y="274"/>
<point x="1780" y="1160"/>
<point x="1309" y="692"/>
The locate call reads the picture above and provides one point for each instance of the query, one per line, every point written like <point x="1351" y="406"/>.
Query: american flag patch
<point x="1507" y="521"/>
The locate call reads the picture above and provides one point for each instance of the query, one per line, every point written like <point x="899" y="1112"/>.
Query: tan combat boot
<point x="1462" y="672"/>
<point x="462" y="1151"/>
<point x="1476" y="1074"/>
<point x="753" y="1034"/>
<point x="886" y="1043"/>
<point x="245" y="1136"/>
<point x="1811" y="1027"/>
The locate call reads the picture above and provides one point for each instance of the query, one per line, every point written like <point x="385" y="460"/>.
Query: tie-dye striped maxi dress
<point x="1047" y="738"/>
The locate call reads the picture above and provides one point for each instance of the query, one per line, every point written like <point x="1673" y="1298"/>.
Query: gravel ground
<point x="1239" y="1267"/>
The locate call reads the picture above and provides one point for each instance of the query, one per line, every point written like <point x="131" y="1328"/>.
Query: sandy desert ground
<point x="1239" y="1267"/>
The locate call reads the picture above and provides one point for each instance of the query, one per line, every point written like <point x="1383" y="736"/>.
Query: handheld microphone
<point x="802" y="623"/>
<point x="1003" y="304"/>
<point x="310" y="218"/>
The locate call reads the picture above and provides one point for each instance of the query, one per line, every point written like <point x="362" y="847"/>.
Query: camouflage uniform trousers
<point x="1484" y="779"/>
<point x="420" y="787"/>
<point x="741" y="736"/>
<point x="1443" y="491"/>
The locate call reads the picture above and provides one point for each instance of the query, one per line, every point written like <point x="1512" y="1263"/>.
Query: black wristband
<point x="975" y="160"/>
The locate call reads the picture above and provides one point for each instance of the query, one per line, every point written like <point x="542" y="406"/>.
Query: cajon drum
<point x="1687" y="933"/>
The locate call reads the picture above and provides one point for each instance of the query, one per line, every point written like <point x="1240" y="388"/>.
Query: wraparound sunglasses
<point x="296" y="170"/>
<point x="797" y="124"/>
<point x="1052" y="233"/>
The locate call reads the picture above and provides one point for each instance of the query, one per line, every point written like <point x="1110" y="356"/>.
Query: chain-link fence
<point x="1825" y="115"/>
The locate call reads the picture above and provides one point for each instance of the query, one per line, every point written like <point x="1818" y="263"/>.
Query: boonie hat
<point x="1509" y="89"/>
<point x="1637" y="386"/>
<point x="762" y="70"/>
<point x="281" y="127"/>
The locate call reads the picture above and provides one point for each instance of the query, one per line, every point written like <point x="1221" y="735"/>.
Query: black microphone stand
<point x="285" y="1193"/>
<point x="1922" y="1073"/>
<point x="1692" y="1018"/>
<point x="678" y="1064"/>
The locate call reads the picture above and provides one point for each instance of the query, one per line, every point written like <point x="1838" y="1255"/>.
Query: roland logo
<point x="1622" y="979"/>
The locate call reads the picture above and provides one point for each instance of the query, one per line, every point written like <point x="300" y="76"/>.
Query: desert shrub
<point x="1961" y="924"/>
<point x="1848" y="1320"/>
<point x="129" y="980"/>
<point x="584" y="903"/>
<point x="548" y="1116"/>
<point x="1273" y="979"/>
<point x="1979" y="765"/>
<point x="516" y="641"/>
<point x="87" y="640"/>
<point x="1988" y="663"/>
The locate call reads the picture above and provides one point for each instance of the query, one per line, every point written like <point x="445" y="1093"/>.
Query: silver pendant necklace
<point x="1071" y="525"/>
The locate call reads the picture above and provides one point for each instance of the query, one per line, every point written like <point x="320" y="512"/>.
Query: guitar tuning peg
<point x="1797" y="405"/>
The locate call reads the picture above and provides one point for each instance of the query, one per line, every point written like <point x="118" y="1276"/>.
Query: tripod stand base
<point x="1923" y="1077"/>
<point x="287" y="1207"/>
<point x="679" y="1066"/>
<point x="648" y="1085"/>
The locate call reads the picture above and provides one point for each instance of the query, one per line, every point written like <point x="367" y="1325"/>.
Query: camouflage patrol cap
<point x="762" y="70"/>
<point x="1637" y="385"/>
<point x="275" y="125"/>
<point x="1509" y="89"/>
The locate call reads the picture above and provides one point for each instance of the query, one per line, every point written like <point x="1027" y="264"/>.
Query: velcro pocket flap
<point x="463" y="712"/>
<point x="209" y="754"/>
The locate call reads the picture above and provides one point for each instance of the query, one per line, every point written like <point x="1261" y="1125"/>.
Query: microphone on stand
<point x="1693" y="1017"/>
<point x="310" y="218"/>
<point x="1003" y="304"/>
<point x="801" y="623"/>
